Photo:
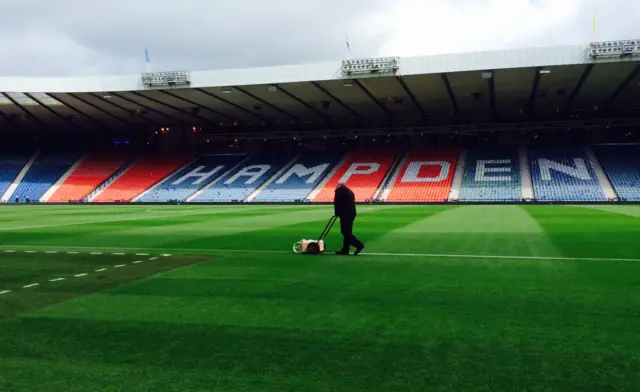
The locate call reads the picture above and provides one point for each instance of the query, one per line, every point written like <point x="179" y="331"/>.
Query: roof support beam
<point x="83" y="114"/>
<point x="142" y="116"/>
<point x="96" y="107"/>
<point x="5" y="116"/>
<point x="25" y="110"/>
<point x="147" y="108"/>
<point x="196" y="104"/>
<point x="47" y="108"/>
<point x="632" y="75"/>
<point x="335" y="99"/>
<point x="303" y="103"/>
<point x="492" y="94"/>
<point x="274" y="107"/>
<point x="413" y="98"/>
<point x="576" y="90"/>
<point x="206" y="120"/>
<point x="452" y="96"/>
<point x="534" y="88"/>
<point x="207" y="93"/>
<point x="368" y="93"/>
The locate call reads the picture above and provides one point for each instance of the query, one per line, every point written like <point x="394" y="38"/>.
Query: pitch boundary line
<point x="9" y="248"/>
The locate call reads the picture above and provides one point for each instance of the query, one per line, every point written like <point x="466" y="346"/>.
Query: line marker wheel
<point x="313" y="247"/>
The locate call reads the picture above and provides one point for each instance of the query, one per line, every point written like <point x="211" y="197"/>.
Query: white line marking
<point x="142" y="254"/>
<point x="101" y="269"/>
<point x="153" y="258"/>
<point x="165" y="255"/>
<point x="119" y="254"/>
<point x="213" y="251"/>
<point x="56" y="279"/>
<point x="31" y="285"/>
<point x="4" y="292"/>
<point x="30" y="251"/>
<point x="96" y="253"/>
<point x="79" y="275"/>
<point x="501" y="257"/>
<point x="138" y="262"/>
<point x="72" y="253"/>
<point x="52" y="251"/>
<point x="119" y="265"/>
<point x="9" y="251"/>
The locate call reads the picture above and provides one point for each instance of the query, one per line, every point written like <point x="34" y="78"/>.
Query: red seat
<point x="425" y="176"/>
<point x="363" y="172"/>
<point x="144" y="174"/>
<point x="94" y="169"/>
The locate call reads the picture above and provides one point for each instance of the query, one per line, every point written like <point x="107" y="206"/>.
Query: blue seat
<point x="48" y="167"/>
<point x="296" y="183"/>
<point x="11" y="164"/>
<point x="622" y="166"/>
<point x="187" y="181"/>
<point x="491" y="175"/>
<point x="564" y="175"/>
<point x="245" y="179"/>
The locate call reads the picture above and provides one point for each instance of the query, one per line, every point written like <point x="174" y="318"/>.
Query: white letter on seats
<point x="482" y="170"/>
<point x="195" y="173"/>
<point x="254" y="172"/>
<point x="580" y="171"/>
<point x="411" y="174"/>
<point x="360" y="168"/>
<point x="300" y="170"/>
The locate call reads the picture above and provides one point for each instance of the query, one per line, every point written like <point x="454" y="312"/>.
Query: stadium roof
<point x="547" y="79"/>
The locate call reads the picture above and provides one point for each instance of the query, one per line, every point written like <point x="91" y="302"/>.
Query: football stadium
<point x="147" y="223"/>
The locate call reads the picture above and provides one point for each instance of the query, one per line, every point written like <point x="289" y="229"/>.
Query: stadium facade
<point x="529" y="125"/>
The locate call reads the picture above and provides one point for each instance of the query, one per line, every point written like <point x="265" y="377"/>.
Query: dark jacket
<point x="344" y="203"/>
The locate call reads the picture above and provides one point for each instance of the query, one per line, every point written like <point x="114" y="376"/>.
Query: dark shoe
<point x="358" y="249"/>
<point x="342" y="252"/>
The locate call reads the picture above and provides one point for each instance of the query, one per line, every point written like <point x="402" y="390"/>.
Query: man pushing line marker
<point x="344" y="205"/>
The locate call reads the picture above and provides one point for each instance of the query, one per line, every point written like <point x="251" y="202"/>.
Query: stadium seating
<point x="145" y="173"/>
<point x="296" y="183"/>
<point x="94" y="169"/>
<point x="362" y="171"/>
<point x="425" y="176"/>
<point x="491" y="175"/>
<point x="184" y="183"/>
<point x="563" y="175"/>
<point x="622" y="166"/>
<point x="47" y="168"/>
<point x="11" y="163"/>
<point x="241" y="182"/>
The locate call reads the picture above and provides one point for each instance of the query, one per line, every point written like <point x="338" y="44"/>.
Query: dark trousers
<point x="346" y="228"/>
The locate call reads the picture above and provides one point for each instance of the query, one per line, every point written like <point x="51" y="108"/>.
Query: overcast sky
<point x="93" y="37"/>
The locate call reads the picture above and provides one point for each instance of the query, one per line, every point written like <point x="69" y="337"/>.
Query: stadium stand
<point x="297" y="182"/>
<point x="144" y="173"/>
<point x="622" y="166"/>
<point x="11" y="163"/>
<point x="362" y="171"/>
<point x="563" y="175"/>
<point x="426" y="175"/>
<point x="491" y="175"/>
<point x="184" y="183"/>
<point x="94" y="169"/>
<point x="242" y="181"/>
<point x="48" y="167"/>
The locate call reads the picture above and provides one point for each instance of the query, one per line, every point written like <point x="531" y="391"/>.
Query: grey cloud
<point x="82" y="37"/>
<point x="109" y="36"/>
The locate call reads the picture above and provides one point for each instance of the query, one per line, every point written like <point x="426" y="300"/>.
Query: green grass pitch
<point x="211" y="298"/>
